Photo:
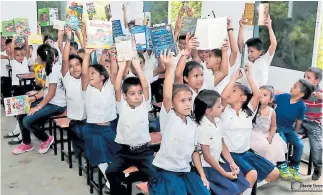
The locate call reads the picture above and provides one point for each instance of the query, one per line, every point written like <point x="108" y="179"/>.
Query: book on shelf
<point x="99" y="34"/>
<point x="17" y="105"/>
<point x="126" y="47"/>
<point x="162" y="39"/>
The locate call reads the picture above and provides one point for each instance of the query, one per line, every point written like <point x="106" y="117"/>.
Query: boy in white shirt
<point x="133" y="104"/>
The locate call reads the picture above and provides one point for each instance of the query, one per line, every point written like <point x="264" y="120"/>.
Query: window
<point x="196" y="7"/>
<point x="294" y="26"/>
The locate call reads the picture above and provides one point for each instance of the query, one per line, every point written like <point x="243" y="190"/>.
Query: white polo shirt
<point x="18" y="68"/>
<point x="133" y="124"/>
<point x="210" y="135"/>
<point x="260" y="69"/>
<point x="55" y="77"/>
<point x="75" y="102"/>
<point x="100" y="106"/>
<point x="208" y="82"/>
<point x="4" y="63"/>
<point x="220" y="87"/>
<point x="178" y="143"/>
<point x="237" y="129"/>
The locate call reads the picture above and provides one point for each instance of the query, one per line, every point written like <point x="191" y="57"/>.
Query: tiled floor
<point x="35" y="174"/>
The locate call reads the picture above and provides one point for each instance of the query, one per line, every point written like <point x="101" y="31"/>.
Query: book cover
<point x="43" y="17"/>
<point x="17" y="105"/>
<point x="140" y="33"/>
<point x="258" y="15"/>
<point x="263" y="11"/>
<point x="211" y="32"/>
<point x="99" y="34"/>
<point x="249" y="12"/>
<point x="139" y="18"/>
<point x="40" y="74"/>
<point x="20" y="41"/>
<point x="74" y="15"/>
<point x="189" y="25"/>
<point x="59" y="25"/>
<point x="53" y="15"/>
<point x="90" y="9"/>
<point x="8" y="28"/>
<point x="147" y="20"/>
<point x="116" y="28"/>
<point x="244" y="55"/>
<point x="35" y="39"/>
<point x="22" y="27"/>
<point x="126" y="47"/>
<point x="162" y="38"/>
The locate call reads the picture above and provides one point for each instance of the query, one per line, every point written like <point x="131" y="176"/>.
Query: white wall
<point x="132" y="8"/>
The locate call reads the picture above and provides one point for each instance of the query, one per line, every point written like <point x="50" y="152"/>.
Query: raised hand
<point x="166" y="58"/>
<point x="68" y="32"/>
<point x="225" y="45"/>
<point x="247" y="70"/>
<point x="89" y="50"/>
<point x="238" y="74"/>
<point x="268" y="21"/>
<point x="229" y="23"/>
<point x="136" y="63"/>
<point x="189" y="12"/>
<point x="191" y="42"/>
<point x="242" y="21"/>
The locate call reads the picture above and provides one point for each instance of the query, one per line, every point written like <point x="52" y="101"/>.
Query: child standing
<point x="240" y="106"/>
<point x="264" y="139"/>
<point x="222" y="175"/>
<point x="132" y="130"/>
<point x="178" y="143"/>
<point x="312" y="125"/>
<point x="290" y="110"/>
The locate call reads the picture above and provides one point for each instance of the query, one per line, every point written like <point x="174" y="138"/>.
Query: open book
<point x="126" y="47"/>
<point x="99" y="34"/>
<point x="259" y="14"/>
<point x="17" y="105"/>
<point x="211" y="32"/>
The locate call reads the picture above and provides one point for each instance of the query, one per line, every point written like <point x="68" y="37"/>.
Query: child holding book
<point x="133" y="104"/>
<point x="290" y="110"/>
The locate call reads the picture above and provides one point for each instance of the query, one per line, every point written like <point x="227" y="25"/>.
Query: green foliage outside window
<point x="196" y="6"/>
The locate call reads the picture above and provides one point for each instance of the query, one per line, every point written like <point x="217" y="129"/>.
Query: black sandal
<point x="11" y="135"/>
<point x="15" y="141"/>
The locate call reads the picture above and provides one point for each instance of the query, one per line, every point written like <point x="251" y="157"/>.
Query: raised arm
<point x="142" y="78"/>
<point x="228" y="89"/>
<point x="178" y="24"/>
<point x="233" y="45"/>
<point x="38" y="28"/>
<point x="241" y="33"/>
<point x="85" y="68"/>
<point x="223" y="71"/>
<point x="66" y="51"/>
<point x="160" y="69"/>
<point x="27" y="47"/>
<point x="80" y="35"/>
<point x="166" y="58"/>
<point x="12" y="48"/>
<point x="60" y="40"/>
<point x="272" y="37"/>
<point x="117" y="84"/>
<point x="113" y="65"/>
<point x="124" y="9"/>
<point x="254" y="88"/>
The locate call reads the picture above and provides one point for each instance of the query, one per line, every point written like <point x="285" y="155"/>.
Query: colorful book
<point x="142" y="36"/>
<point x="40" y="74"/>
<point x="211" y="32"/>
<point x="99" y="34"/>
<point x="35" y="39"/>
<point x="59" y="25"/>
<point x="116" y="28"/>
<point x="8" y="28"/>
<point x="17" y="105"/>
<point x="43" y="17"/>
<point x="189" y="25"/>
<point x="22" y="27"/>
<point x="162" y="39"/>
<point x="126" y="47"/>
<point x="74" y="15"/>
<point x="98" y="10"/>
<point x="20" y="41"/>
<point x="53" y="15"/>
<point x="90" y="9"/>
<point x="256" y="16"/>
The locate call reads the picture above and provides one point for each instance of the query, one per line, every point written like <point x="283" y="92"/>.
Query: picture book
<point x="256" y="16"/>
<point x="162" y="38"/>
<point x="90" y="9"/>
<point x="99" y="34"/>
<point x="8" y="28"/>
<point x="40" y="74"/>
<point x="44" y="17"/>
<point x="22" y="27"/>
<point x="53" y="15"/>
<point x="116" y="28"/>
<point x="126" y="47"/>
<point x="142" y="36"/>
<point x="189" y="25"/>
<point x="59" y="25"/>
<point x="17" y="105"/>
<point x="35" y="39"/>
<point x="97" y="10"/>
<point x="74" y="15"/>
<point x="211" y="32"/>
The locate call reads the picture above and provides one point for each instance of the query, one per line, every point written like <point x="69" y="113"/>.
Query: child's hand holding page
<point x="268" y="22"/>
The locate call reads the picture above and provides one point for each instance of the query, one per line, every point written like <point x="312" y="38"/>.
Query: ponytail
<point x="247" y="92"/>
<point x="46" y="54"/>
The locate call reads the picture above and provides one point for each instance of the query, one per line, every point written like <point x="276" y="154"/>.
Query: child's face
<point x="81" y="54"/>
<point x="95" y="78"/>
<point x="73" y="51"/>
<point x="296" y="89"/>
<point x="182" y="102"/>
<point x="213" y="61"/>
<point x="266" y="96"/>
<point x="75" y="68"/>
<point x="310" y="77"/>
<point x="203" y="54"/>
<point x="195" y="78"/>
<point x="134" y="95"/>
<point x="253" y="54"/>
<point x="236" y="96"/>
<point x="216" y="110"/>
<point x="182" y="44"/>
<point x="19" y="55"/>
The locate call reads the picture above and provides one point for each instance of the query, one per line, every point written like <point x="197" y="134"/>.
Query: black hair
<point x="130" y="81"/>
<point x="82" y="50"/>
<point x="180" y="87"/>
<point x="247" y="92"/>
<point x="31" y="46"/>
<point x="256" y="43"/>
<point x="74" y="45"/>
<point x="189" y="66"/>
<point x="55" y="51"/>
<point x="46" y="54"/>
<point x="74" y="56"/>
<point x="132" y="22"/>
<point x="316" y="71"/>
<point x="307" y="88"/>
<point x="8" y="41"/>
<point x="217" y="52"/>
<point x="182" y="37"/>
<point x="141" y="56"/>
<point x="204" y="100"/>
<point x="102" y="71"/>
<point x="18" y="49"/>
<point x="48" y="37"/>
<point x="272" y="104"/>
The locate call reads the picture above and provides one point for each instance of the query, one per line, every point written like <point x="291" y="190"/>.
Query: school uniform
<point x="260" y="69"/>
<point x="211" y="135"/>
<point x="237" y="133"/>
<point x="19" y="68"/>
<point x="133" y="136"/>
<point x="174" y="157"/>
<point x="220" y="86"/>
<point x="100" y="108"/>
<point x="150" y="65"/>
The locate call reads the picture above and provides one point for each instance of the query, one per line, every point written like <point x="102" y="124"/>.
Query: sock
<point x="17" y="129"/>
<point x="103" y="167"/>
<point x="107" y="184"/>
<point x="247" y="191"/>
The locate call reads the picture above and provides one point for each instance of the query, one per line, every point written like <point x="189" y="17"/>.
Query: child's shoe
<point x="283" y="171"/>
<point x="294" y="170"/>
<point x="44" y="146"/>
<point x="317" y="174"/>
<point x="22" y="148"/>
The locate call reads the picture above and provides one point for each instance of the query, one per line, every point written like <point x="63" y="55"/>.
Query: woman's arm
<point x="46" y="100"/>
<point x="12" y="48"/>
<point x="272" y="37"/>
<point x="66" y="52"/>
<point x="27" y="47"/>
<point x="227" y="156"/>
<point x="113" y="65"/>
<point x="240" y="35"/>
<point x="85" y="68"/>
<point x="124" y="9"/>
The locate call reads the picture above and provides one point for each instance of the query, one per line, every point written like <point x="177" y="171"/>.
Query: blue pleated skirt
<point x="99" y="144"/>
<point x="248" y="161"/>
<point x="220" y="185"/>
<point x="174" y="183"/>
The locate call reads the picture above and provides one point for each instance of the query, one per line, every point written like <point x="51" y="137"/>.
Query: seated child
<point x="291" y="109"/>
<point x="264" y="139"/>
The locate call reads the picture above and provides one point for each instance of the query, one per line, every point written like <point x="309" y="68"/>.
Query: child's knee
<point x="299" y="144"/>
<point x="251" y="177"/>
<point x="274" y="174"/>
<point x="26" y="122"/>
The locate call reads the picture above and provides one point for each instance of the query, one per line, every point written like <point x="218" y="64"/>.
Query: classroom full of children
<point x="223" y="127"/>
